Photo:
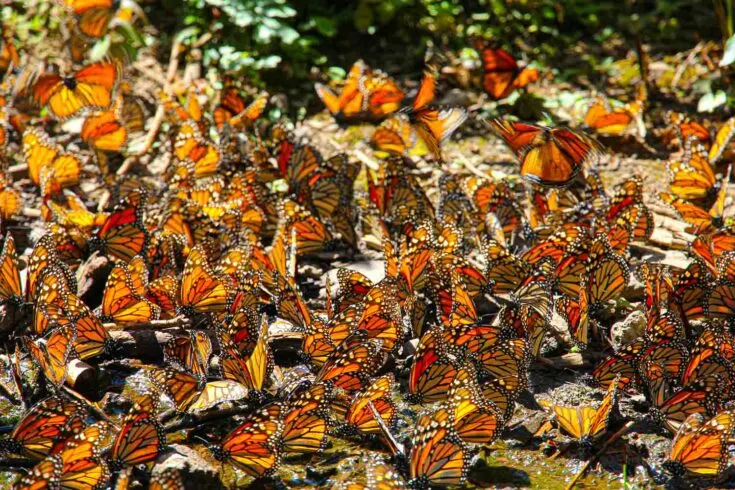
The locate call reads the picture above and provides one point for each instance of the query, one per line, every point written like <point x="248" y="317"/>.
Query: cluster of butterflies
<point x="209" y="250"/>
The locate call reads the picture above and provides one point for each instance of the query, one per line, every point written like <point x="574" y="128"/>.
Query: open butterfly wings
<point x="92" y="87"/>
<point x="502" y="75"/>
<point x="548" y="156"/>
<point x="366" y="94"/>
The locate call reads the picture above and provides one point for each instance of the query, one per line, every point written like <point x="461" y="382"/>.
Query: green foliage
<point x="280" y="42"/>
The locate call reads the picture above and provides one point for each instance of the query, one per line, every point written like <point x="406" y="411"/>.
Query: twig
<point x="686" y="64"/>
<point x="471" y="167"/>
<point x="18" y="168"/>
<point x="175" y="322"/>
<point x="189" y="420"/>
<point x="620" y="433"/>
<point x="370" y="162"/>
<point x="31" y="213"/>
<point x="150" y="138"/>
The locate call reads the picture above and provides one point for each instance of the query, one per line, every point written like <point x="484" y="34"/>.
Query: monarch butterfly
<point x="216" y="392"/>
<point x="586" y="423"/>
<point x="352" y="364"/>
<point x="397" y="135"/>
<point x="353" y="287"/>
<point x="254" y="446"/>
<point x="11" y="291"/>
<point x="48" y="166"/>
<point x="710" y="361"/>
<point x="52" y="354"/>
<point x="701" y="220"/>
<point x="526" y="324"/>
<point x="684" y="128"/>
<point x="395" y="193"/>
<point x="432" y="370"/>
<point x="626" y="207"/>
<point x="192" y="147"/>
<point x="504" y="269"/>
<point x="381" y="315"/>
<point x="91" y="87"/>
<point x="8" y="52"/>
<point x="672" y="413"/>
<point x="106" y="130"/>
<point x="605" y="120"/>
<point x="141" y="437"/>
<point x="693" y="177"/>
<point x="721" y="141"/>
<point x="310" y="233"/>
<point x="252" y="373"/>
<point x="10" y="200"/>
<point x="620" y="367"/>
<point x="202" y="291"/>
<point x="304" y="423"/>
<point x="183" y="388"/>
<point x="501" y="73"/>
<point x="438" y="457"/>
<point x="92" y="339"/>
<point x="699" y="448"/>
<point x="77" y="464"/>
<point x="434" y="124"/>
<point x="190" y="353"/>
<point x="47" y="424"/>
<point x="476" y="419"/>
<point x="123" y="235"/>
<point x="92" y="16"/>
<point x="322" y="339"/>
<point x="164" y="292"/>
<point x="232" y="109"/>
<point x="123" y="300"/>
<point x="359" y="415"/>
<point x="548" y="156"/>
<point x="366" y="94"/>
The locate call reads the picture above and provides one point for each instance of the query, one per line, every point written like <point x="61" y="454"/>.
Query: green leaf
<point x="263" y="34"/>
<point x="100" y="49"/>
<point x="729" y="55"/>
<point x="710" y="101"/>
<point x="336" y="72"/>
<point x="288" y="34"/>
<point x="325" y="26"/>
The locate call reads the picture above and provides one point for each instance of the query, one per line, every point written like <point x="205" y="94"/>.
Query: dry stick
<point x="190" y="421"/>
<point x="175" y="322"/>
<point x="173" y="66"/>
<point x="620" y="433"/>
<point x="370" y="162"/>
<point x="471" y="167"/>
<point x="687" y="63"/>
<point x="18" y="168"/>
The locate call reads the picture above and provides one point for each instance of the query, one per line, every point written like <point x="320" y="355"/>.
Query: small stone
<point x="627" y="330"/>
<point x="196" y="472"/>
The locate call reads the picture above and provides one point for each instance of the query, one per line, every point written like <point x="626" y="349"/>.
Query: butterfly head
<point x="675" y="468"/>
<point x="70" y="83"/>
<point x="586" y="444"/>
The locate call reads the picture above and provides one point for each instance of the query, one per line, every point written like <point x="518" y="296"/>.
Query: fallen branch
<point x="175" y="322"/>
<point x="620" y="433"/>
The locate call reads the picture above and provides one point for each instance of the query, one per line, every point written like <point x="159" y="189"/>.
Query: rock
<point x="629" y="329"/>
<point x="196" y="472"/>
<point x="560" y="327"/>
